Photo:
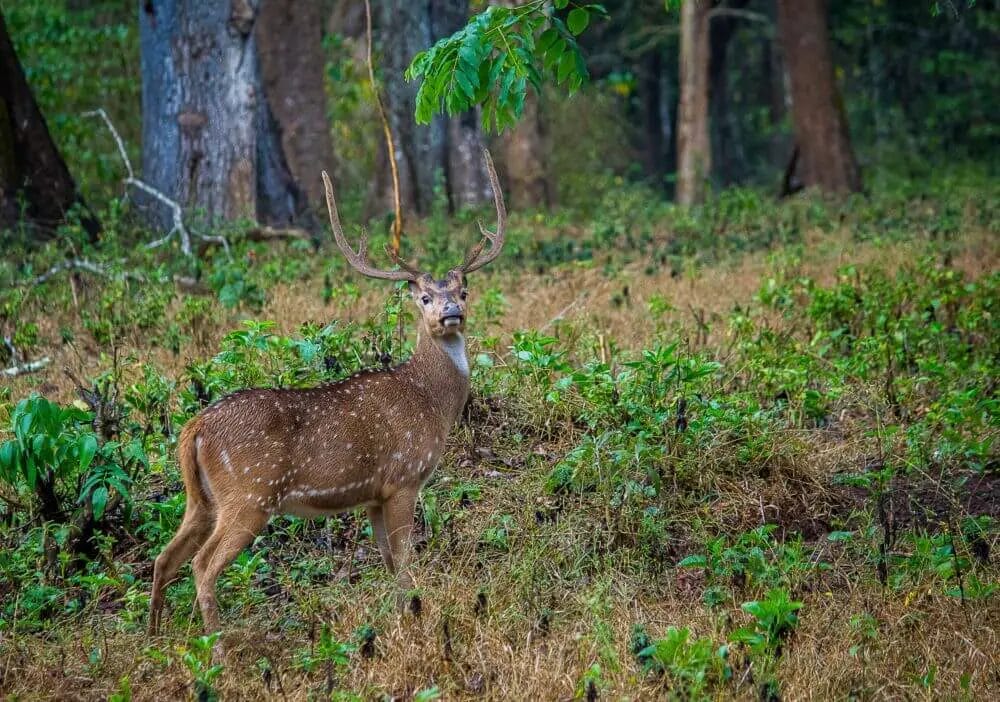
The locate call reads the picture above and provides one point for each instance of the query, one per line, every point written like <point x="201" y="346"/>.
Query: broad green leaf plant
<point x="492" y="60"/>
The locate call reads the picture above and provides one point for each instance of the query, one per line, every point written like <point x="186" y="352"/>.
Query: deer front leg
<point x="398" y="513"/>
<point x="377" y="518"/>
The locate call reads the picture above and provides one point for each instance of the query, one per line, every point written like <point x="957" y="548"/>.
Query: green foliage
<point x="73" y="57"/>
<point x="774" y="619"/>
<point x="52" y="456"/>
<point x="327" y="652"/>
<point x="689" y="665"/>
<point x="493" y="59"/>
<point x="197" y="658"/>
<point x="752" y="560"/>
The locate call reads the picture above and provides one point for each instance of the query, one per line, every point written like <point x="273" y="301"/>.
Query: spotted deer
<point x="371" y="440"/>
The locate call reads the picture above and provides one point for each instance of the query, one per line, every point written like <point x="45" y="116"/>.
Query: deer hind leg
<point x="377" y="517"/>
<point x="234" y="530"/>
<point x="398" y="515"/>
<point x="194" y="530"/>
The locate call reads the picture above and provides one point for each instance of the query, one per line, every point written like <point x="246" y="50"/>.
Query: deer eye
<point x="465" y="294"/>
<point x="426" y="299"/>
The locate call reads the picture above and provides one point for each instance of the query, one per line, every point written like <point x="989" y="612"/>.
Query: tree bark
<point x="694" y="155"/>
<point x="826" y="159"/>
<point x="445" y="153"/>
<point x="31" y="166"/>
<point x="523" y="156"/>
<point x="524" y="159"/>
<point x="210" y="140"/>
<point x="651" y="97"/>
<point x="289" y="37"/>
<point x="725" y="159"/>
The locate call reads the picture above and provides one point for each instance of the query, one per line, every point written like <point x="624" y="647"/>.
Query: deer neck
<point x="442" y="366"/>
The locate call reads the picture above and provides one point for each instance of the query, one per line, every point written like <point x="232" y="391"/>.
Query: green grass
<point x="761" y="435"/>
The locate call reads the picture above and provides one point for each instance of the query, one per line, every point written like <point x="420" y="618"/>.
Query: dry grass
<point x="526" y="622"/>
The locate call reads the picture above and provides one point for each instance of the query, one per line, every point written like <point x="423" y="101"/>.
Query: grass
<point x="836" y="449"/>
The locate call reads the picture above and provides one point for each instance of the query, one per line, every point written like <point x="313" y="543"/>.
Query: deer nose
<point x="451" y="309"/>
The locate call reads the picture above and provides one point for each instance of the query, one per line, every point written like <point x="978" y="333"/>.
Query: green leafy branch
<point x="493" y="59"/>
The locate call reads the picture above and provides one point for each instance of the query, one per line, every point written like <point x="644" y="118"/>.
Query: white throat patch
<point x="454" y="346"/>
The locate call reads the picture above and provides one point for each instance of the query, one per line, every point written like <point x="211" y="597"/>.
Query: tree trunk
<point x="694" y="156"/>
<point x="524" y="159"/>
<point x="210" y="141"/>
<point x="651" y="97"/>
<point x="289" y="37"/>
<point x="445" y="153"/>
<point x="826" y="159"/>
<point x="724" y="145"/>
<point x="523" y="156"/>
<point x="31" y="167"/>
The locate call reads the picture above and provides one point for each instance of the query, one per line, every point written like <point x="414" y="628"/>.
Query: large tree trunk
<point x="31" y="166"/>
<point x="446" y="152"/>
<point x="694" y="155"/>
<point x="210" y="141"/>
<point x="289" y="36"/>
<point x="826" y="159"/>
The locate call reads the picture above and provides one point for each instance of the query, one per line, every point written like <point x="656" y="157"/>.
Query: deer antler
<point x="359" y="259"/>
<point x="476" y="259"/>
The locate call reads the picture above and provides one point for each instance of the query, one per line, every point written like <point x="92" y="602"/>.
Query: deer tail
<point x="198" y="493"/>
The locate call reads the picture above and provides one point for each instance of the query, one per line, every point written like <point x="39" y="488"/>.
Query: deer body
<point x="371" y="440"/>
<point x="319" y="451"/>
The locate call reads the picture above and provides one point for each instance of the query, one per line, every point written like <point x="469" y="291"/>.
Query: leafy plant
<point x="774" y="619"/>
<point x="493" y="59"/>
<point x="197" y="658"/>
<point x="689" y="666"/>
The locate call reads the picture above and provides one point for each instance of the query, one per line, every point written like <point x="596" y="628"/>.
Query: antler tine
<point x="402" y="263"/>
<point x="476" y="259"/>
<point x="359" y="259"/>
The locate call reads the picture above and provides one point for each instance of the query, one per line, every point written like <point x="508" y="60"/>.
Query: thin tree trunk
<point x="523" y="155"/>
<point x="651" y="68"/>
<point x="826" y="159"/>
<point x="445" y="153"/>
<point x="31" y="166"/>
<point x="724" y="145"/>
<point x="210" y="140"/>
<point x="694" y="155"/>
<point x="289" y="37"/>
<point x="524" y="158"/>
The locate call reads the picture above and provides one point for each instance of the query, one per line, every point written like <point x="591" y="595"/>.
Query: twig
<point x="175" y="208"/>
<point x="80" y="264"/>
<point x="26" y="368"/>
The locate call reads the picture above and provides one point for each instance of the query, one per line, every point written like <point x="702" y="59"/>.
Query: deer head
<point x="442" y="303"/>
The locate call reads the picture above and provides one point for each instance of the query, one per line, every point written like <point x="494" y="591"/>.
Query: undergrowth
<point x="662" y="518"/>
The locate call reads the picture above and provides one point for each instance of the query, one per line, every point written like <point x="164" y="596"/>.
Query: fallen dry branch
<point x="272" y="234"/>
<point x="176" y="211"/>
<point x="25" y="368"/>
<point x="81" y="264"/>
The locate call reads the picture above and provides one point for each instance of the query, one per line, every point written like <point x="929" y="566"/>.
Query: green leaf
<point x="578" y="20"/>
<point x="88" y="447"/>
<point x="99" y="499"/>
<point x="693" y="561"/>
<point x="566" y="65"/>
<point x="560" y="4"/>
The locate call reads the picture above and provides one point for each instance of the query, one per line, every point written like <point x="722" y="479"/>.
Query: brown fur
<point x="371" y="440"/>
